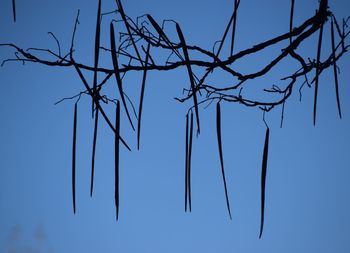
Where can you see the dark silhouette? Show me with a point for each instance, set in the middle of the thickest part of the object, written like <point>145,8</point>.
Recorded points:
<point>189,137</point>
<point>263,178</point>
<point>14,10</point>
<point>138,35</point>
<point>116,155</point>
<point>218,133</point>
<point>97,54</point>
<point>74,153</point>
<point>141,97</point>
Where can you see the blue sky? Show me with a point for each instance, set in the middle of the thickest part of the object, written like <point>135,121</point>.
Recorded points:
<point>307,192</point>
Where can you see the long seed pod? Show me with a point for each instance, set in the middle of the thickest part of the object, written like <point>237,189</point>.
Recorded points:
<point>163,35</point>
<point>291,19</point>
<point>74,154</point>
<point>96,59</point>
<point>117,74</point>
<point>116,156</point>
<point>190,73</point>
<point>14,10</point>
<point>141,97</point>
<point>94,151</point>
<point>97,43</point>
<point>158,29</point>
<point>186,165</point>
<point>97,50</point>
<point>189,164</point>
<point>317,70</point>
<point>218,134</point>
<point>263,180</point>
<point>122,13</point>
<point>97,103</point>
<point>236,4</point>
<point>335,69</point>
<point>231,21</point>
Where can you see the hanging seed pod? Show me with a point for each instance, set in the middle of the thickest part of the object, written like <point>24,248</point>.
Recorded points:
<point>141,97</point>
<point>186,164</point>
<point>94,151</point>
<point>190,73</point>
<point>317,70</point>
<point>74,154</point>
<point>117,74</point>
<point>189,163</point>
<point>335,68</point>
<point>218,134</point>
<point>14,10</point>
<point>122,13</point>
<point>234,22</point>
<point>116,156</point>
<point>291,19</point>
<point>263,179</point>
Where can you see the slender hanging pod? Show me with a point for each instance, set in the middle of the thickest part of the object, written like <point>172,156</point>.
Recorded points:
<point>141,97</point>
<point>158,29</point>
<point>186,165</point>
<point>116,157</point>
<point>263,179</point>
<point>234,22</point>
<point>335,69</point>
<point>74,154</point>
<point>97,52</point>
<point>14,10</point>
<point>319,47</point>
<point>190,73</point>
<point>163,36</point>
<point>218,134</point>
<point>291,19</point>
<point>122,13</point>
<point>117,74</point>
<point>189,163</point>
<point>94,151</point>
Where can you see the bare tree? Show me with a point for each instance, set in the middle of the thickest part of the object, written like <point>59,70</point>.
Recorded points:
<point>143,37</point>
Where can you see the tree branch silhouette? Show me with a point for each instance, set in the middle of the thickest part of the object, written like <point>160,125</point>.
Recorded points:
<point>130,55</point>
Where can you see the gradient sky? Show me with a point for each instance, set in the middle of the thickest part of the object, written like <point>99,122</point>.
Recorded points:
<point>307,192</point>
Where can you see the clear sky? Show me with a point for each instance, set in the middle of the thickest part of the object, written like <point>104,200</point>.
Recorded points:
<point>307,191</point>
